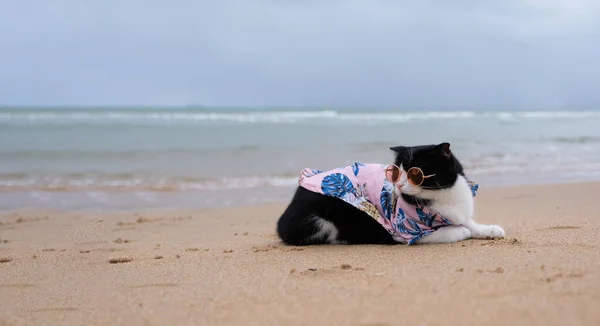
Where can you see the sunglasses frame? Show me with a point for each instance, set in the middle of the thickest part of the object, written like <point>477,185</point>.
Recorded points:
<point>408,173</point>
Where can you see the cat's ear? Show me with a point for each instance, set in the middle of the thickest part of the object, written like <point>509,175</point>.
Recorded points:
<point>444,149</point>
<point>398,149</point>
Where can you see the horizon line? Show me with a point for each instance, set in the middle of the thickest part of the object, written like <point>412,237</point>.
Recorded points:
<point>277,107</point>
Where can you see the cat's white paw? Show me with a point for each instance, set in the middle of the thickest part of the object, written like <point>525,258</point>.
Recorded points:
<point>488,232</point>
<point>447,234</point>
<point>463,234</point>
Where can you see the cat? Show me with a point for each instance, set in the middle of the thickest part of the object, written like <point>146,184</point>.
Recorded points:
<point>313,218</point>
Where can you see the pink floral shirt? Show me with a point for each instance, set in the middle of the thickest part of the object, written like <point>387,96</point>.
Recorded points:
<point>365,187</point>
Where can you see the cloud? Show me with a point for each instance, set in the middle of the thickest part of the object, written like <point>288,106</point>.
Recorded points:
<point>379,53</point>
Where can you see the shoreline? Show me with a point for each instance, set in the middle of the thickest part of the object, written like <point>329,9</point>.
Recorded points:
<point>224,193</point>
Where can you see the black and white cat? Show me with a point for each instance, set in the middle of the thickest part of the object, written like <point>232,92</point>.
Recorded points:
<point>313,218</point>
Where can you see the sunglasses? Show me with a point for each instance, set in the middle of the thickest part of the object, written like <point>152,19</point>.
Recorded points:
<point>414,175</point>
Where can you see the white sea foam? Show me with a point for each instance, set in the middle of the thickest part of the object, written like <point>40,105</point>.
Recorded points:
<point>132,182</point>
<point>506,166</point>
<point>97,117</point>
<point>154,118</point>
<point>547,115</point>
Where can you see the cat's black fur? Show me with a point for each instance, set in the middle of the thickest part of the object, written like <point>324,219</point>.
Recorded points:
<point>297,224</point>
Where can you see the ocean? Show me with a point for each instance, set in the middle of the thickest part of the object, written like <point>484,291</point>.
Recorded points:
<point>152,158</point>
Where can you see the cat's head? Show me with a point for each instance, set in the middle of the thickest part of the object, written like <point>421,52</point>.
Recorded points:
<point>436,161</point>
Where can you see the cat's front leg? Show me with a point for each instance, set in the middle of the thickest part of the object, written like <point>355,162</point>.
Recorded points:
<point>484,231</point>
<point>446,234</point>
<point>453,213</point>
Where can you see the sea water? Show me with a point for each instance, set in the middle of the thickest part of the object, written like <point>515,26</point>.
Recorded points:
<point>150,158</point>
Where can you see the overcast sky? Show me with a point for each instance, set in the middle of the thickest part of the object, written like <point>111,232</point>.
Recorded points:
<point>370,53</point>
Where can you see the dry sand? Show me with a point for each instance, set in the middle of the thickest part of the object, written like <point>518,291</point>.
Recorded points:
<point>227,267</point>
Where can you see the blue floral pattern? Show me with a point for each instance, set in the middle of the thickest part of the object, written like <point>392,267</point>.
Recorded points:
<point>337,185</point>
<point>400,218</point>
<point>474,188</point>
<point>356,167</point>
<point>387,203</point>
<point>401,214</point>
<point>445,221</point>
<point>413,229</point>
<point>426,218</point>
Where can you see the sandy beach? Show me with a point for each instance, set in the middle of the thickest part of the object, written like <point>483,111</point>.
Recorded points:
<point>227,267</point>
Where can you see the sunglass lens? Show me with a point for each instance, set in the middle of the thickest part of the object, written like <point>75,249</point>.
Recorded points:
<point>392,173</point>
<point>415,176</point>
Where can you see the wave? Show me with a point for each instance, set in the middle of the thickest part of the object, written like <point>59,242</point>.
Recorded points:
<point>160,118</point>
<point>548,115</point>
<point>491,165</point>
<point>136,182</point>
<point>145,117</point>
<point>19,154</point>
<point>252,117</point>
<point>576,140</point>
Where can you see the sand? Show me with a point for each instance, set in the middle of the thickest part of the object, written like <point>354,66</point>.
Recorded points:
<point>227,267</point>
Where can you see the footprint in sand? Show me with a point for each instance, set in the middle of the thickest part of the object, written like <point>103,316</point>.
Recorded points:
<point>31,219</point>
<point>555,277</point>
<point>120,260</point>
<point>142,219</point>
<point>63,309</point>
<point>509,241</point>
<point>561,227</point>
<point>313,270</point>
<point>276,248</point>
<point>157,285</point>
<point>497,270</point>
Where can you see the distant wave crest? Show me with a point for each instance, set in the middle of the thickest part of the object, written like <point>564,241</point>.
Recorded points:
<point>576,140</point>
<point>165,117</point>
<point>157,118</point>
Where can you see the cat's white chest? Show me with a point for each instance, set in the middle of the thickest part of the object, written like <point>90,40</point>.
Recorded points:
<point>456,203</point>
